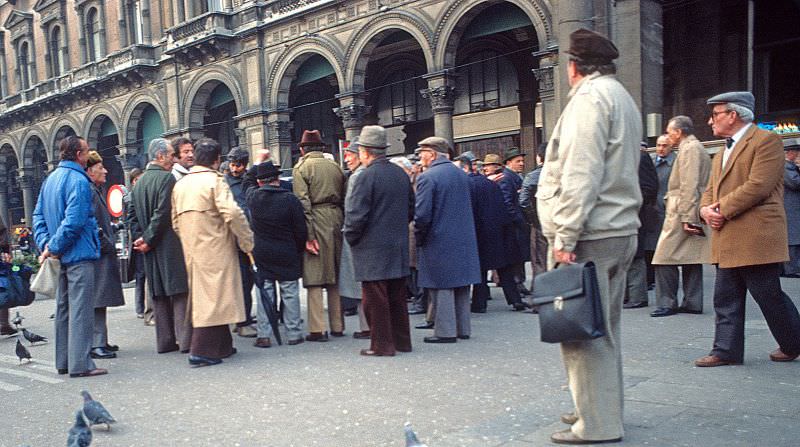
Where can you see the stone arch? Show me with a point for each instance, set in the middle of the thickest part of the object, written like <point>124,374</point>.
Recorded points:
<point>285,67</point>
<point>454,20</point>
<point>132,112</point>
<point>56,132</point>
<point>199,91</point>
<point>369,36</point>
<point>28,146</point>
<point>92,125</point>
<point>7,149</point>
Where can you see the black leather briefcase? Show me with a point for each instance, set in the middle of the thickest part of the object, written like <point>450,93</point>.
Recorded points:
<point>569,303</point>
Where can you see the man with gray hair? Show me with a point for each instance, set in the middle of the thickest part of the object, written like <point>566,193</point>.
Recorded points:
<point>150,220</point>
<point>743,205</point>
<point>683,241</point>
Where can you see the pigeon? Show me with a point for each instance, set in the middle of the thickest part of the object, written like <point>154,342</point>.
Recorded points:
<point>411,437</point>
<point>95,412</point>
<point>80,435</point>
<point>17,319</point>
<point>22,352</point>
<point>33,338</point>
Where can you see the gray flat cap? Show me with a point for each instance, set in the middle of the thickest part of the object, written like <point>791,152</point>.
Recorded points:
<point>467,156</point>
<point>791,144</point>
<point>744,99</point>
<point>436,143</point>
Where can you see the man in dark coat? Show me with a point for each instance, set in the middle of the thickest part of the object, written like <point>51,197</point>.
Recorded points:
<point>376,226</point>
<point>279,231</point>
<point>636,280</point>
<point>149,218</point>
<point>495,234</point>
<point>447,249</point>
<point>237,165</point>
<point>791,203</point>
<point>527,201</point>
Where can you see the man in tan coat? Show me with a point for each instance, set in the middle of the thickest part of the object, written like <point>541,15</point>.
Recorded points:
<point>319,184</point>
<point>683,242</point>
<point>211,225</point>
<point>743,204</point>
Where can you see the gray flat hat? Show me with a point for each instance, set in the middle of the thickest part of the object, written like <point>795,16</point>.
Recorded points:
<point>744,99</point>
<point>791,144</point>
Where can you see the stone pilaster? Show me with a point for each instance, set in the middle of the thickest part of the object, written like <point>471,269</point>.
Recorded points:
<point>279,126</point>
<point>351,111</point>
<point>26,183</point>
<point>547,78</point>
<point>442,93</point>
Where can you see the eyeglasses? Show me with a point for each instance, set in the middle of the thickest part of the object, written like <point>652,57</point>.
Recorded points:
<point>714,114</point>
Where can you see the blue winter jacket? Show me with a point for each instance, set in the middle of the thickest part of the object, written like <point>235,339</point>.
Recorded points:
<point>64,216</point>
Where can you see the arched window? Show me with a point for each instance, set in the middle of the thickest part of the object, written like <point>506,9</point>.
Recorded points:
<point>94,50</point>
<point>23,64</point>
<point>56,56</point>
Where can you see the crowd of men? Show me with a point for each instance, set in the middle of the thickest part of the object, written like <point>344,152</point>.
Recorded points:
<point>430,227</point>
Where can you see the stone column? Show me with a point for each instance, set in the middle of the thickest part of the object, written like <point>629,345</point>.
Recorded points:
<point>122,20</point>
<point>279,126</point>
<point>147,26</point>
<point>571,15</point>
<point>254,131</point>
<point>442,94</point>
<point>26,184</point>
<point>4,202</point>
<point>351,111</point>
<point>547,75</point>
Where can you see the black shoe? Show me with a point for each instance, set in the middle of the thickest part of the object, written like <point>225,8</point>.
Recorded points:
<point>683,310</point>
<point>102,353</point>
<point>651,286</point>
<point>62,371</point>
<point>416,311</point>
<point>478,311</point>
<point>520,307</point>
<point>198,361</point>
<point>436,339</point>
<point>7,330</point>
<point>425,325</point>
<point>634,305</point>
<point>663,312</point>
<point>112,348</point>
<point>350,312</point>
<point>463,337</point>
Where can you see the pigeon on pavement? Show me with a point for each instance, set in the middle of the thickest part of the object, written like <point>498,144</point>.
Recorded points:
<point>33,338</point>
<point>80,435</point>
<point>22,352</point>
<point>17,319</point>
<point>411,437</point>
<point>95,412</point>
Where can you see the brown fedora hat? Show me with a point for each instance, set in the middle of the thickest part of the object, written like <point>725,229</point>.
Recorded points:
<point>311,138</point>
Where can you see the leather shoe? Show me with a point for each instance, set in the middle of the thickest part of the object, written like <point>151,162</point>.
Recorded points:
<point>112,348</point>
<point>317,336</point>
<point>683,310</point>
<point>198,361</point>
<point>337,333</point>
<point>370,353</point>
<point>436,339</point>
<point>90,373</point>
<point>478,311</point>
<point>262,343</point>
<point>710,361</point>
<point>569,418</point>
<point>636,305</point>
<point>463,337</point>
<point>295,341</point>
<point>102,353</point>
<point>416,311</point>
<point>7,330</point>
<point>350,312</point>
<point>567,437</point>
<point>662,312</point>
<point>361,335</point>
<point>62,371</point>
<point>519,307</point>
<point>779,356</point>
<point>425,325</point>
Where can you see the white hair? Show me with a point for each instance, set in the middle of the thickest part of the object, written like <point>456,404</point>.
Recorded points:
<point>159,146</point>
<point>744,114</point>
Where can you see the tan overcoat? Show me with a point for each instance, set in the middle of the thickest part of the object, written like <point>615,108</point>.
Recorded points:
<point>210,225</point>
<point>687,182</point>
<point>750,193</point>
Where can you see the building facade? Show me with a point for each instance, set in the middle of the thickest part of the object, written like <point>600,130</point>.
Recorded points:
<point>255,74</point>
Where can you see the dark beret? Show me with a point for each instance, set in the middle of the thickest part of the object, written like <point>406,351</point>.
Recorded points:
<point>589,46</point>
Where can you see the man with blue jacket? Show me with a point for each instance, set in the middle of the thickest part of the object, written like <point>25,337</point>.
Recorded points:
<point>65,228</point>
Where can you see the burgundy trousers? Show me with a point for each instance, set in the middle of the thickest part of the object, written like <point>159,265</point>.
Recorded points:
<point>387,315</point>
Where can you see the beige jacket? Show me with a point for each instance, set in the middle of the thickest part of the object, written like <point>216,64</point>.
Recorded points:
<point>210,225</point>
<point>589,186</point>
<point>687,182</point>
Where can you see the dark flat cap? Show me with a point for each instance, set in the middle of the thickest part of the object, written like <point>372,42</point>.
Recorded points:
<point>744,99</point>
<point>791,144</point>
<point>589,46</point>
<point>512,152</point>
<point>467,156</point>
<point>239,155</point>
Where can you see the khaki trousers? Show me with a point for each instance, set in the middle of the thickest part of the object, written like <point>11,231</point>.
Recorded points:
<point>594,367</point>
<point>316,309</point>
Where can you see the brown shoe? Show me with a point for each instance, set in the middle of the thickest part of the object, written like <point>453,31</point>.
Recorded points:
<point>711,361</point>
<point>567,437</point>
<point>569,418</point>
<point>317,336</point>
<point>262,343</point>
<point>337,333</point>
<point>778,356</point>
<point>91,373</point>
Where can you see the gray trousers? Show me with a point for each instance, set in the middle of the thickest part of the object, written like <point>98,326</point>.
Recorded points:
<point>100,334</point>
<point>173,326</point>
<point>290,296</point>
<point>636,281</point>
<point>74,321</point>
<point>452,316</point>
<point>667,286</point>
<point>594,367</point>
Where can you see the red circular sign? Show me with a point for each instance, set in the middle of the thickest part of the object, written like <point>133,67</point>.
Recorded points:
<point>114,200</point>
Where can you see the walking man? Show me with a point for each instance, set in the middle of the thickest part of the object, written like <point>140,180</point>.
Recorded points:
<point>447,249</point>
<point>743,204</point>
<point>319,184</point>
<point>683,242</point>
<point>377,213</point>
<point>65,228</point>
<point>211,226</point>
<point>588,201</point>
<point>150,221</point>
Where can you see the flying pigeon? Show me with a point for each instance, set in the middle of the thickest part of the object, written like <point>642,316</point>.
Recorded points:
<point>17,319</point>
<point>95,412</point>
<point>411,437</point>
<point>33,338</point>
<point>80,435</point>
<point>22,352</point>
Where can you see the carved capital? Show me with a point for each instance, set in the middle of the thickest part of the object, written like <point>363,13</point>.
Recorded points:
<point>442,98</point>
<point>545,76</point>
<point>352,115</point>
<point>280,132</point>
<point>26,180</point>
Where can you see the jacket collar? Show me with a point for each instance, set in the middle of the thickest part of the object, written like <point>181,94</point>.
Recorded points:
<point>582,82</point>
<point>198,169</point>
<point>440,160</point>
<point>69,164</point>
<point>179,167</point>
<point>155,167</point>
<point>739,146</point>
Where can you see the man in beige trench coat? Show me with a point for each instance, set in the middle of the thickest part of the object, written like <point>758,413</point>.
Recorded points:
<point>684,241</point>
<point>211,225</point>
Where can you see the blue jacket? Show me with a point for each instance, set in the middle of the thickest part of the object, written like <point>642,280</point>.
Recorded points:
<point>64,216</point>
<point>444,227</point>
